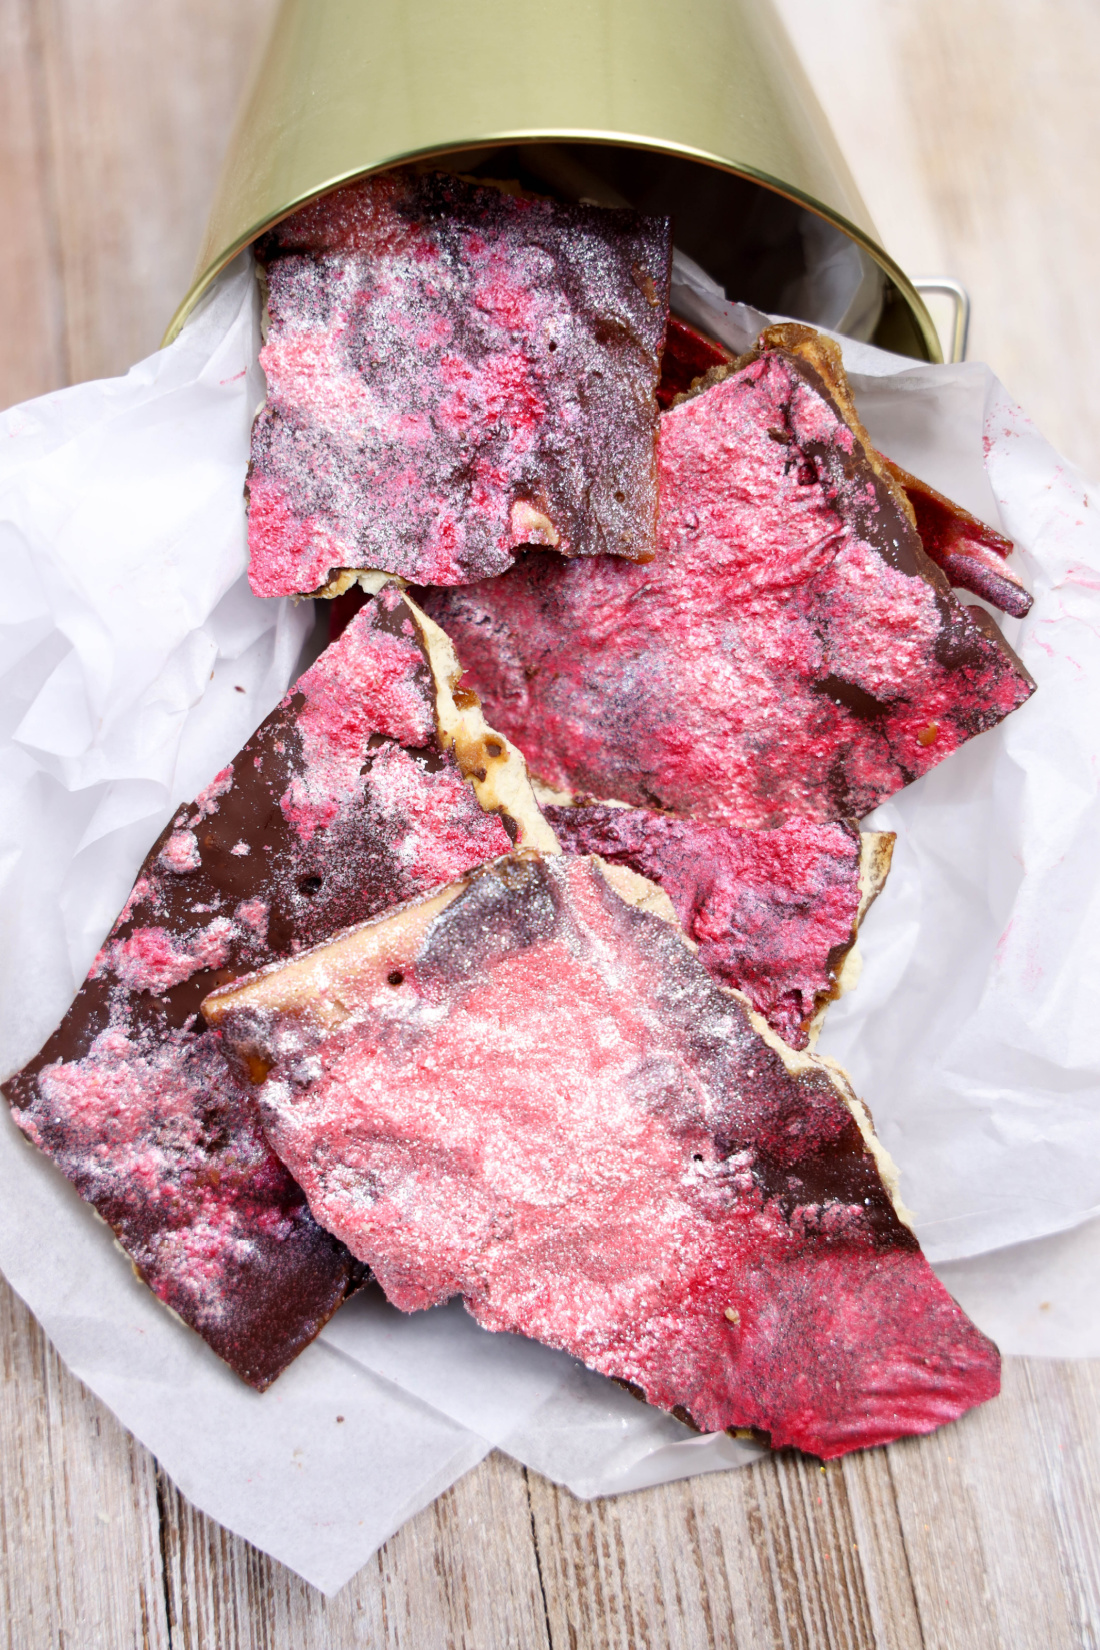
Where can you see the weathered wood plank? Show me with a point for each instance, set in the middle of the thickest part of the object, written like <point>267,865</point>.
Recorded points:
<point>463,1573</point>
<point>986,1534</point>
<point>973,131</point>
<point>999,1516</point>
<point>1008,134</point>
<point>884,1562</point>
<point>80,1563</point>
<point>1063,1400</point>
<point>1007,126</point>
<point>786,1553</point>
<point>137,101</point>
<point>32,356</point>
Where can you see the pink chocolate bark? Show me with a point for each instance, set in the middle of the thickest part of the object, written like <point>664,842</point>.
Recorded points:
<point>341,805</point>
<point>540,1101</point>
<point>791,651</point>
<point>772,912</point>
<point>454,372</point>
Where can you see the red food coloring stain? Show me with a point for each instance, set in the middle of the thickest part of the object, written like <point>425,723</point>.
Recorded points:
<point>689,354</point>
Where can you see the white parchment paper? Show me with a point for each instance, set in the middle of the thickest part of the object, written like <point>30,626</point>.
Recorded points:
<point>134,661</point>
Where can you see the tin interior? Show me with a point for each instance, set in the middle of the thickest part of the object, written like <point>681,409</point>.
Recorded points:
<point>762,247</point>
<point>759,245</point>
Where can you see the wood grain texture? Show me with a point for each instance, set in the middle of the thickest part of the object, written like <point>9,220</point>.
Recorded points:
<point>984,1536</point>
<point>32,333</point>
<point>462,1573</point>
<point>115,117</point>
<point>1004,106</point>
<point>80,1560</point>
<point>1000,1525</point>
<point>769,1555</point>
<point>113,114</point>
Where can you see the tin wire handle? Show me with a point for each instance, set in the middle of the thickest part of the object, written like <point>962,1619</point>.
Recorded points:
<point>957,292</point>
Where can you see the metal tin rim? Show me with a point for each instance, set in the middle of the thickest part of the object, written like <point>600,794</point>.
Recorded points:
<point>918,311</point>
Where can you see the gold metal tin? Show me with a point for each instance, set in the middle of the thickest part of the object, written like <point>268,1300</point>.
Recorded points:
<point>347,87</point>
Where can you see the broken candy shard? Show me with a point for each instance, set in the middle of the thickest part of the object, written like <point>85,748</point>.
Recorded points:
<point>530,1094</point>
<point>773,913</point>
<point>971,553</point>
<point>791,651</point>
<point>349,798</point>
<point>454,372</point>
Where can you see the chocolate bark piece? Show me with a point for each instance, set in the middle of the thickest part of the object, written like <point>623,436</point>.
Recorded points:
<point>349,798</point>
<point>774,914</point>
<point>970,552</point>
<point>791,651</point>
<point>454,372</point>
<point>528,1093</point>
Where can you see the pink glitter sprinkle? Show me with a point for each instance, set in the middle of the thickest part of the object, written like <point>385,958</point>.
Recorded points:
<point>206,802</point>
<point>134,1098</point>
<point>137,1138</point>
<point>253,913</point>
<point>432,831</point>
<point>141,891</point>
<point>154,960</point>
<point>181,852</point>
<point>773,912</point>
<point>368,683</point>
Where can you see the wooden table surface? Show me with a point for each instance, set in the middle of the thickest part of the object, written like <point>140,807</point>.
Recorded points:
<point>974,129</point>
